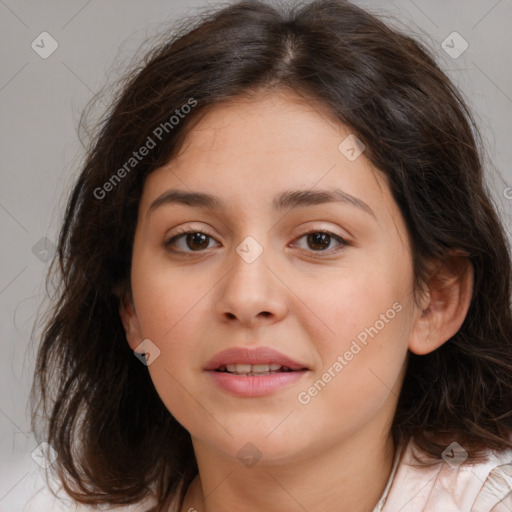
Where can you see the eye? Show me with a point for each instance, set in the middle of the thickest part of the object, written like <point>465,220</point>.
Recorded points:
<point>322,239</point>
<point>194,239</point>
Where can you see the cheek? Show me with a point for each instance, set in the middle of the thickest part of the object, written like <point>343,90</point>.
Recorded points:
<point>355,302</point>
<point>168,299</point>
<point>366,341</point>
<point>169,303</point>
<point>362,360</point>
<point>168,307</point>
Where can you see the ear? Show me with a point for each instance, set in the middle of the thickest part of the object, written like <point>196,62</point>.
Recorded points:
<point>130,321</point>
<point>445,306</point>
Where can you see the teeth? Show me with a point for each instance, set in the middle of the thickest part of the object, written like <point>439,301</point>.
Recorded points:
<point>260,369</point>
<point>238,368</point>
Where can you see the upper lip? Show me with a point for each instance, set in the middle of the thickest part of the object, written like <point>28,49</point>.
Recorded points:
<point>260,355</point>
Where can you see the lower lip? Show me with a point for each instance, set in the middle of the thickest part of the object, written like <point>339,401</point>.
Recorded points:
<point>252,386</point>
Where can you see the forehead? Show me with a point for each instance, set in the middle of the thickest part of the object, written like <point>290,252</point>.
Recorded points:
<point>248,150</point>
<point>281,126</point>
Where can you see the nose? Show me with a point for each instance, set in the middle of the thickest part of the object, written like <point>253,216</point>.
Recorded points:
<point>251,292</point>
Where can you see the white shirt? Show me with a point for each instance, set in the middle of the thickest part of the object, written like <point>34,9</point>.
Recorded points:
<point>448,487</point>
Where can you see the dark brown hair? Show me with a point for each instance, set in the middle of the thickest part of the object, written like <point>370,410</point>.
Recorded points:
<point>114,436</point>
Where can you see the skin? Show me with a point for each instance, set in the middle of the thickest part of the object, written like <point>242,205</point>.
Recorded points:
<point>335,452</point>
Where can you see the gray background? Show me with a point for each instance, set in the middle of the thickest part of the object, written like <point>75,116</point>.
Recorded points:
<point>41,101</point>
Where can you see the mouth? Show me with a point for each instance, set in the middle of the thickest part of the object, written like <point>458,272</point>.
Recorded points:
<point>255,370</point>
<point>245,380</point>
<point>258,362</point>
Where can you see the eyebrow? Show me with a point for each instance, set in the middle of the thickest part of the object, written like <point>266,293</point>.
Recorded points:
<point>287,200</point>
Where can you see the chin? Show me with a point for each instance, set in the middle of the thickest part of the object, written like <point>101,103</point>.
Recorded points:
<point>253,447</point>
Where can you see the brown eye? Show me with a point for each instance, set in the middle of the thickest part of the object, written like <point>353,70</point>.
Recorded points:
<point>195,240</point>
<point>319,241</point>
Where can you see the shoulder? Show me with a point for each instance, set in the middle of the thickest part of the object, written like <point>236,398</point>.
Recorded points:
<point>452,485</point>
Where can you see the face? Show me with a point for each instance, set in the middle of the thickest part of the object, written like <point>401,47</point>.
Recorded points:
<point>327,284</point>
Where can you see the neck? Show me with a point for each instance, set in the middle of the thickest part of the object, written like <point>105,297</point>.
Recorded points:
<point>346,478</point>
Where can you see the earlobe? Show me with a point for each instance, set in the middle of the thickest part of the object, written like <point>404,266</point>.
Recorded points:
<point>130,321</point>
<point>444,312</point>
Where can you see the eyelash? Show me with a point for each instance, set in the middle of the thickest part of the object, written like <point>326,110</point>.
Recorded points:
<point>342,242</point>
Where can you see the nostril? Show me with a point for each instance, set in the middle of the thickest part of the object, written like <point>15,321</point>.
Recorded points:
<point>264,313</point>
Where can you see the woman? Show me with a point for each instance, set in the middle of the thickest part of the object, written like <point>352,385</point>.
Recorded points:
<point>284,285</point>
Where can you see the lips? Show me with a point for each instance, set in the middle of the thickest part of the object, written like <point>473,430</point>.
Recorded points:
<point>253,369</point>
<point>259,356</point>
